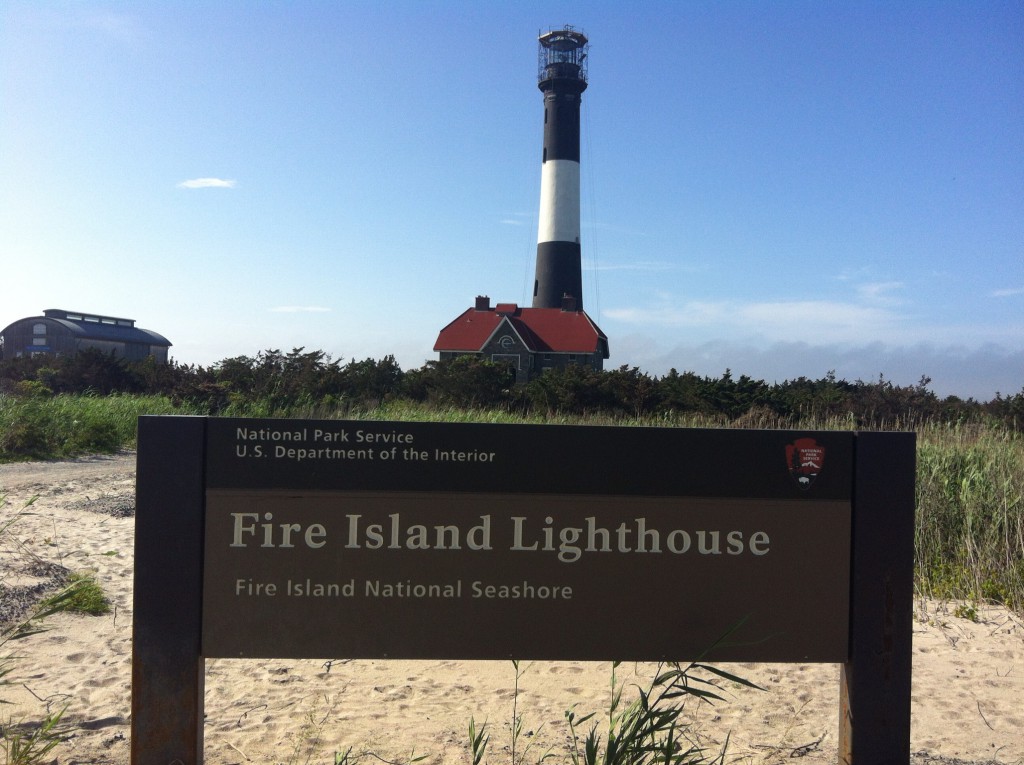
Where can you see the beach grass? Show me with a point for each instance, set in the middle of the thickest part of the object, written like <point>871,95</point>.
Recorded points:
<point>969,537</point>
<point>68,425</point>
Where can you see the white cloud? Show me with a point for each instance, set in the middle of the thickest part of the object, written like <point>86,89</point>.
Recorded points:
<point>1013,292</point>
<point>207,183</point>
<point>300,309</point>
<point>807,320</point>
<point>518,219</point>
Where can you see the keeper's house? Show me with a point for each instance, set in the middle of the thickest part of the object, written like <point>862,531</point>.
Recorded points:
<point>532,340</point>
<point>64,333</point>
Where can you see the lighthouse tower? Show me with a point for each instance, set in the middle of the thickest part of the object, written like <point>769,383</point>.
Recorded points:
<point>555,332</point>
<point>562,78</point>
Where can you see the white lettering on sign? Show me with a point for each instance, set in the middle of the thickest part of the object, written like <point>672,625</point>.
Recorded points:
<point>274,534</point>
<point>568,543</point>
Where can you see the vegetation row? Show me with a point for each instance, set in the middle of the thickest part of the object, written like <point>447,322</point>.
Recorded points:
<point>273,383</point>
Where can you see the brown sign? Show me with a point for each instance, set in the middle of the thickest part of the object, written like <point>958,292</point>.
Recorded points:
<point>375,540</point>
<point>278,538</point>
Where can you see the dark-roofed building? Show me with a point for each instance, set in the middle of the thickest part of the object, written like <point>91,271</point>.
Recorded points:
<point>64,333</point>
<point>530,339</point>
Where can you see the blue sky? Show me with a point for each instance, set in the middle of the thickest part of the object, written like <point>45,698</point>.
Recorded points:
<point>778,188</point>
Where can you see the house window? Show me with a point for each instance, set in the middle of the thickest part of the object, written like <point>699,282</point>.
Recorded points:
<point>38,341</point>
<point>38,329</point>
<point>572,358</point>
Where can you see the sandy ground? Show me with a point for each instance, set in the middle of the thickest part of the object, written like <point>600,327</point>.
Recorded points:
<point>968,690</point>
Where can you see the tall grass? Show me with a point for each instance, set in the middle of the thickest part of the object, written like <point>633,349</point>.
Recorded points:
<point>49,427</point>
<point>969,539</point>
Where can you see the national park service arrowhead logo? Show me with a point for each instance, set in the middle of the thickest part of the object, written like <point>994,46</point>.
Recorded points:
<point>805,458</point>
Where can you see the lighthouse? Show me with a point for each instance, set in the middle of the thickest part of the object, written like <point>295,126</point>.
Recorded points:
<point>555,332</point>
<point>562,78</point>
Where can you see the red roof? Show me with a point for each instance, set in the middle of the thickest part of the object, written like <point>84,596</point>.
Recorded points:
<point>542,329</point>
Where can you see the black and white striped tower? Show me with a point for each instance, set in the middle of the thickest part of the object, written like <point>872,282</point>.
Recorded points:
<point>562,79</point>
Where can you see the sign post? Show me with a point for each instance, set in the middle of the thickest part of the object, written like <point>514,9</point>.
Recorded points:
<point>305,539</point>
<point>874,701</point>
<point>167,666</point>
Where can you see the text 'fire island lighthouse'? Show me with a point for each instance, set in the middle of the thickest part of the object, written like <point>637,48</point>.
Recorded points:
<point>555,331</point>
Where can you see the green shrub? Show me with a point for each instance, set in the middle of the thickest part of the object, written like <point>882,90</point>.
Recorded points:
<point>32,389</point>
<point>82,595</point>
<point>95,436</point>
<point>26,439</point>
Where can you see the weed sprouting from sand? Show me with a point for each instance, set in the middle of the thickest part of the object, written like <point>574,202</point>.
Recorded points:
<point>25,742</point>
<point>479,738</point>
<point>519,753</point>
<point>83,595</point>
<point>349,757</point>
<point>650,729</point>
<point>307,743</point>
<point>28,745</point>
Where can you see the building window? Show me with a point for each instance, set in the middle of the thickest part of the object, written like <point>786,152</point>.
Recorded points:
<point>38,341</point>
<point>38,329</point>
<point>572,358</point>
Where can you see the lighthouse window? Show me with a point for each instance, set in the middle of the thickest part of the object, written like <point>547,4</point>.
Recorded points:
<point>545,116</point>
